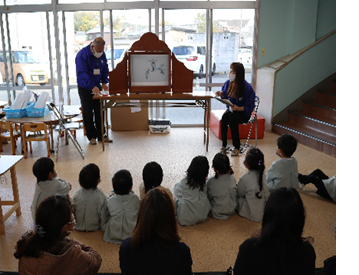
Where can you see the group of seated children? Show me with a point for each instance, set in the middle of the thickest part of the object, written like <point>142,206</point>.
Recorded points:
<point>195,197</point>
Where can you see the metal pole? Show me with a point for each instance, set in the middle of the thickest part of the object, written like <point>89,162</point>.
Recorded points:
<point>112,42</point>
<point>66,59</point>
<point>58,56</point>
<point>5,61</point>
<point>10,53</point>
<point>50,55</point>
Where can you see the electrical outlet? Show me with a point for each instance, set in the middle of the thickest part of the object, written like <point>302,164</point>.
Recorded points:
<point>263,51</point>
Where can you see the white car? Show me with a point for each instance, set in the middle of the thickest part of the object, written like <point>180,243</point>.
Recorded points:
<point>194,58</point>
<point>118,54</point>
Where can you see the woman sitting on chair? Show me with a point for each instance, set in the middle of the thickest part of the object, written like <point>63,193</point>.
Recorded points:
<point>241,94</point>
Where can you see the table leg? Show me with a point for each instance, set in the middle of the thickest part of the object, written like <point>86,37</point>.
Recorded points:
<point>204,122</point>
<point>208,109</point>
<point>2,227</point>
<point>15,189</point>
<point>103,142</point>
<point>52,137</point>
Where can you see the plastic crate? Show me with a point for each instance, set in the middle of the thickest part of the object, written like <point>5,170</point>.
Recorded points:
<point>37,112</point>
<point>14,113</point>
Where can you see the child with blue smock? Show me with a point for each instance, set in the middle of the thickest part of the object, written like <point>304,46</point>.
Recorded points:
<point>88,200</point>
<point>222,188</point>
<point>252,189</point>
<point>284,171</point>
<point>192,204</point>
<point>119,213</point>
<point>47,183</point>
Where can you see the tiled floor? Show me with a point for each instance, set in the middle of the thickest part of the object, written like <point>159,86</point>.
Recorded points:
<point>214,244</point>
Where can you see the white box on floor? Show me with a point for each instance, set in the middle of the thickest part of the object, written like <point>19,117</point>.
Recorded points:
<point>159,129</point>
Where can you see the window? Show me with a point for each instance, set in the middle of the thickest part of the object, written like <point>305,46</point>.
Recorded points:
<point>186,32</point>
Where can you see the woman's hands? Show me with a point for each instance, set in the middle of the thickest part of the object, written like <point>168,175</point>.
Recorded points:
<point>219,93</point>
<point>237,108</point>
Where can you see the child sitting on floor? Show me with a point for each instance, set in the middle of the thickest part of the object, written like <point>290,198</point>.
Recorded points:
<point>47,183</point>
<point>326,187</point>
<point>88,200</point>
<point>192,204</point>
<point>152,175</point>
<point>284,171</point>
<point>252,189</point>
<point>222,189</point>
<point>120,210</point>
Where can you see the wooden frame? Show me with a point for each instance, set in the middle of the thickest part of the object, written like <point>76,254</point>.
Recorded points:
<point>149,71</point>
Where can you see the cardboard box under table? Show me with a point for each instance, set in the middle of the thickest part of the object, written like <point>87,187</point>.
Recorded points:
<point>215,126</point>
<point>125,119</point>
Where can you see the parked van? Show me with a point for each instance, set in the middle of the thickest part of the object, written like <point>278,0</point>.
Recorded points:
<point>194,58</point>
<point>118,55</point>
<point>27,67</point>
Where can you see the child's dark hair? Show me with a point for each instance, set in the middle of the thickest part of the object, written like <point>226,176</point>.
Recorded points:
<point>122,182</point>
<point>42,168</point>
<point>197,172</point>
<point>89,176</point>
<point>152,175</point>
<point>221,163</point>
<point>255,161</point>
<point>51,216</point>
<point>288,144</point>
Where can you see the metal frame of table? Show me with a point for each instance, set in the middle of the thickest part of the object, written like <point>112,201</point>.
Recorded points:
<point>200,99</point>
<point>8,163</point>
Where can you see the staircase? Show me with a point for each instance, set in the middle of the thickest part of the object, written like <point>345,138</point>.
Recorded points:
<point>314,125</point>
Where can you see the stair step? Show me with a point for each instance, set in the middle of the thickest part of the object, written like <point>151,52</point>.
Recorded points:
<point>326,99</point>
<point>316,116</point>
<point>312,122</point>
<point>316,109</point>
<point>316,140</point>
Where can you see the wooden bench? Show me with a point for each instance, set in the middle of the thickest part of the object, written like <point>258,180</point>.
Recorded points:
<point>215,126</point>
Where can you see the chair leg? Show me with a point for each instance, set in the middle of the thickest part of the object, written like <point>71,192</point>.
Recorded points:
<point>48,147</point>
<point>13,143</point>
<point>25,147</point>
<point>30,147</point>
<point>1,145</point>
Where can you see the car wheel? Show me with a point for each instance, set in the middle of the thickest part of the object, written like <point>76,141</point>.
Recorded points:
<point>20,80</point>
<point>214,69</point>
<point>42,84</point>
<point>200,72</point>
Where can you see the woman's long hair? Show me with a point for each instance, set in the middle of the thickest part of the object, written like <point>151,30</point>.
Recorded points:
<point>283,219</point>
<point>197,172</point>
<point>51,216</point>
<point>236,88</point>
<point>156,222</point>
<point>282,226</point>
<point>255,161</point>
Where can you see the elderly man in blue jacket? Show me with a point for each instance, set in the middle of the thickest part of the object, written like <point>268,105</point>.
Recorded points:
<point>92,77</point>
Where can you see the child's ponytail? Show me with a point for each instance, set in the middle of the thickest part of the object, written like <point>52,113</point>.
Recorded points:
<point>221,165</point>
<point>255,161</point>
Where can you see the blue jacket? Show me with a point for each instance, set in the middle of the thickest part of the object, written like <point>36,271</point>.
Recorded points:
<point>86,62</point>
<point>247,101</point>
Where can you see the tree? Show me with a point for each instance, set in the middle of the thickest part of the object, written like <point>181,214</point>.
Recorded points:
<point>200,20</point>
<point>87,20</point>
<point>117,24</point>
